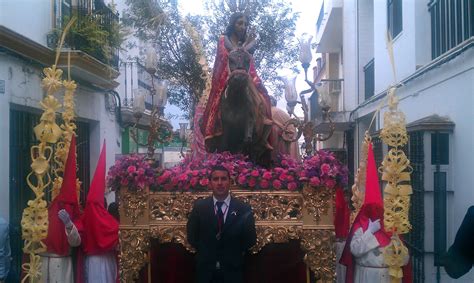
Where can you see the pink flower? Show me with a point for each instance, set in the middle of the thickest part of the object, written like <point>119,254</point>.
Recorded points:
<point>241,180</point>
<point>194,181</point>
<point>276,184</point>
<point>330,183</point>
<point>254,173</point>
<point>292,186</point>
<point>252,182</point>
<point>325,168</point>
<point>195,172</point>
<point>267,175</point>
<point>131,169</point>
<point>290,178</point>
<point>141,171</point>
<point>183,178</point>
<point>264,184</point>
<point>314,181</point>
<point>124,182</point>
<point>283,177</point>
<point>204,182</point>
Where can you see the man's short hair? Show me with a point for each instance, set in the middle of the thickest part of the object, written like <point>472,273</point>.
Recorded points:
<point>218,168</point>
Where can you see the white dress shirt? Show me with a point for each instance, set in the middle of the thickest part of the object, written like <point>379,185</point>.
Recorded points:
<point>224,207</point>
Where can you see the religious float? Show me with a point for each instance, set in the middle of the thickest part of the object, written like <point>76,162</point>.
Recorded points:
<point>291,201</point>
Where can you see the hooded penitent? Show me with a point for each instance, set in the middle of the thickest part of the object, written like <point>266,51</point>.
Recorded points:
<point>56,241</point>
<point>100,228</point>
<point>371,209</point>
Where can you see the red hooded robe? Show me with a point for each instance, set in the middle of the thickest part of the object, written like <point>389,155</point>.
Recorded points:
<point>100,228</point>
<point>56,241</point>
<point>371,209</point>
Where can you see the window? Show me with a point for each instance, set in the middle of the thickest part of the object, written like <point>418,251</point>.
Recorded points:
<point>394,17</point>
<point>452,22</point>
<point>369,79</point>
<point>440,148</point>
<point>440,212</point>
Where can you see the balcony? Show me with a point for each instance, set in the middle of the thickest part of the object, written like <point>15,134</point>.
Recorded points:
<point>96,32</point>
<point>329,27</point>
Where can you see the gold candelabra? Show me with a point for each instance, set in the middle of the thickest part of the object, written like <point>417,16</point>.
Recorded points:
<point>305,126</point>
<point>159,130</point>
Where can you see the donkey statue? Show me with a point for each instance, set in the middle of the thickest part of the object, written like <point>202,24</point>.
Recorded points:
<point>246,126</point>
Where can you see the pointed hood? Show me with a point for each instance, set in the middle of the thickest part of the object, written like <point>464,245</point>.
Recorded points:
<point>342,215</point>
<point>371,209</point>
<point>372,185</point>
<point>56,241</point>
<point>100,228</point>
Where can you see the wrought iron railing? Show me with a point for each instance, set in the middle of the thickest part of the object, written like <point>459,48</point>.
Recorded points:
<point>452,22</point>
<point>416,238</point>
<point>97,18</point>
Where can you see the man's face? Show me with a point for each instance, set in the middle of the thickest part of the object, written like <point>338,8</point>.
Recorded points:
<point>220,183</point>
<point>240,26</point>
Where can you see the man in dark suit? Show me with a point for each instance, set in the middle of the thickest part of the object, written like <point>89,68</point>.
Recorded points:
<point>460,256</point>
<point>221,229</point>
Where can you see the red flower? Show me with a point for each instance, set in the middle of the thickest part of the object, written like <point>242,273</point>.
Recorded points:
<point>330,183</point>
<point>264,184</point>
<point>194,181</point>
<point>267,175</point>
<point>254,173</point>
<point>292,186</point>
<point>252,182</point>
<point>242,180</point>
<point>314,181</point>
<point>325,168</point>
<point>131,169</point>
<point>204,182</point>
<point>276,184</point>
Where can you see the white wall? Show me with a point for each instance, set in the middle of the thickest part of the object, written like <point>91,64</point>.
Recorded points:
<point>366,41</point>
<point>422,33</point>
<point>447,91</point>
<point>403,45</point>
<point>349,39</point>
<point>23,88</point>
<point>30,18</point>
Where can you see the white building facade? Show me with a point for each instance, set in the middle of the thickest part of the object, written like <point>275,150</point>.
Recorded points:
<point>25,29</point>
<point>434,66</point>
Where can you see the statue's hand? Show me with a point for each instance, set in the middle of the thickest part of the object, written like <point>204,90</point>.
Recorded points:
<point>251,35</point>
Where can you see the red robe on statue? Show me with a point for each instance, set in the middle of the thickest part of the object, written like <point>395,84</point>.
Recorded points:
<point>211,124</point>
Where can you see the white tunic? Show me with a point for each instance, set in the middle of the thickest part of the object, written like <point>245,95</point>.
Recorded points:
<point>340,268</point>
<point>101,268</point>
<point>56,268</point>
<point>370,265</point>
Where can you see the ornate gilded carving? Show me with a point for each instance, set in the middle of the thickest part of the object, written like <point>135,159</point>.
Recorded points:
<point>267,234</point>
<point>171,207</point>
<point>320,256</point>
<point>134,204</point>
<point>134,246</point>
<point>317,201</point>
<point>279,219</point>
<point>171,234</point>
<point>268,206</point>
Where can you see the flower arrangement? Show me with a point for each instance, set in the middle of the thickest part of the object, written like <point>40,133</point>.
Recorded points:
<point>323,169</point>
<point>320,170</point>
<point>283,175</point>
<point>130,171</point>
